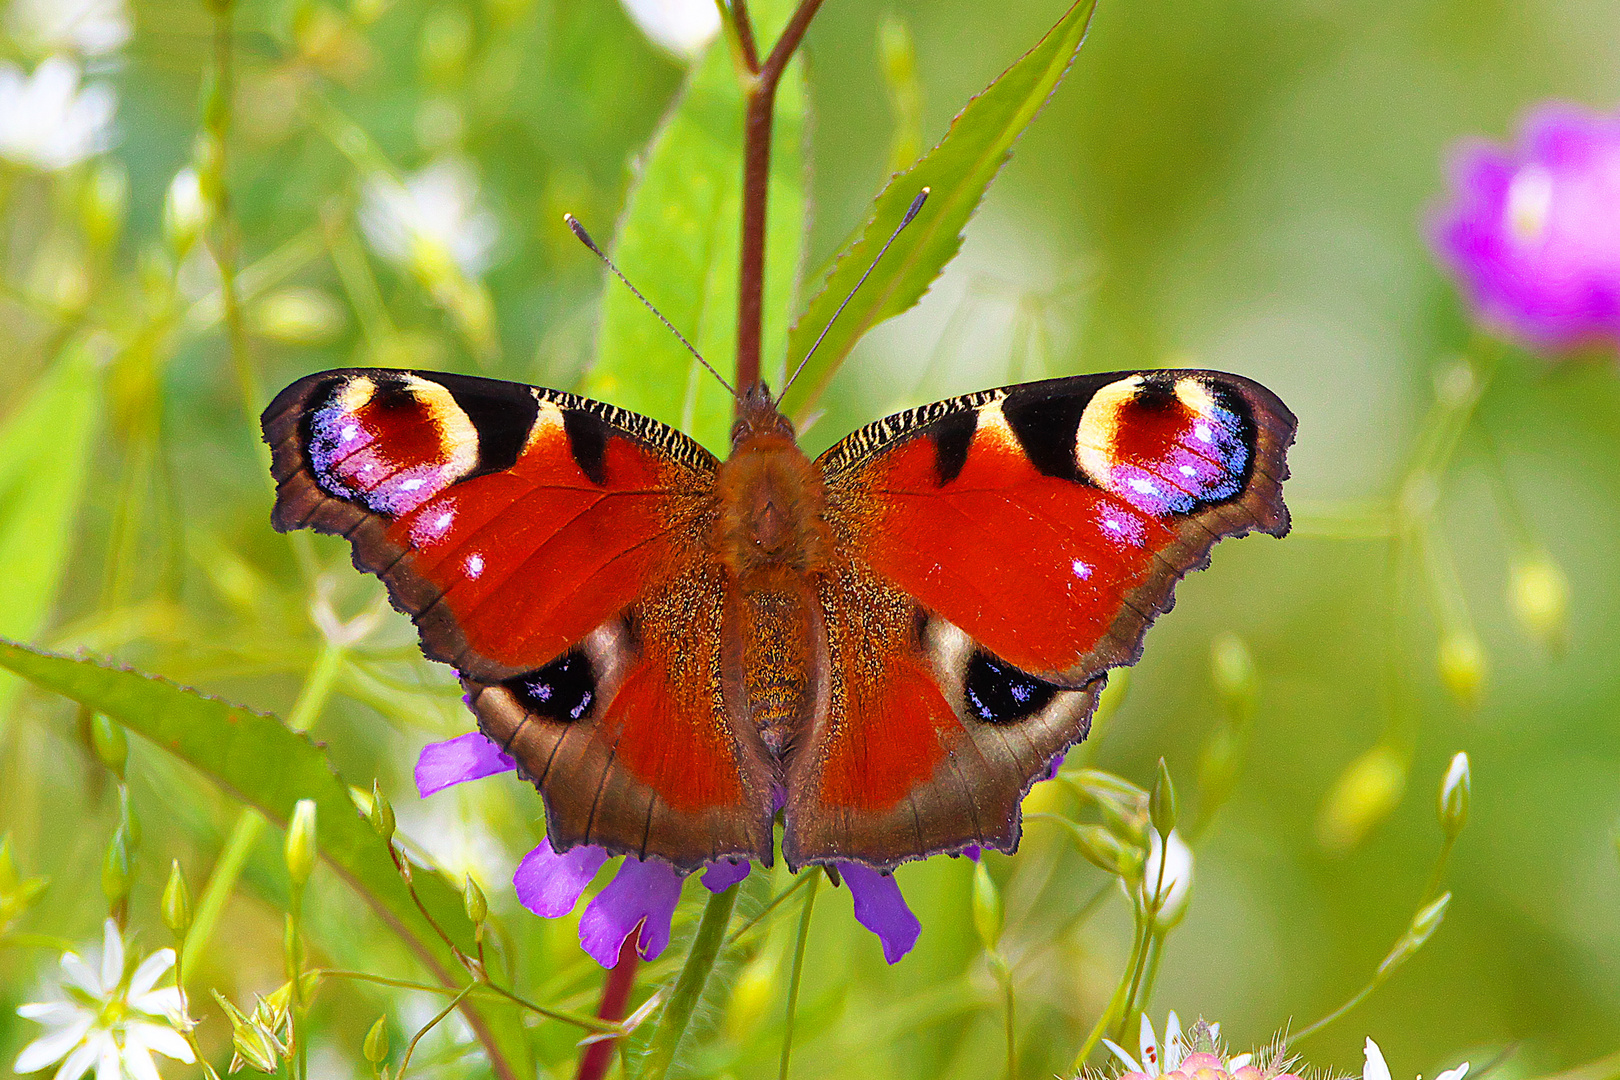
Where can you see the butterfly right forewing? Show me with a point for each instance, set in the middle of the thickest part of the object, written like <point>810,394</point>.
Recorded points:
<point>999,552</point>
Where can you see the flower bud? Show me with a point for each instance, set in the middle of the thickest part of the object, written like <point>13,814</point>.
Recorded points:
<point>177,902</point>
<point>110,743</point>
<point>8,868</point>
<point>1368,789</point>
<point>116,869</point>
<point>1162,802</point>
<point>298,316</point>
<point>186,213</point>
<point>1454,791</point>
<point>447,40</point>
<point>255,1047</point>
<point>103,202</point>
<point>1424,924</point>
<point>1538,594</point>
<point>1105,850</point>
<point>382,813</point>
<point>1218,766</point>
<point>1167,877</point>
<point>1236,680</point>
<point>1463,666</point>
<point>300,850</point>
<point>987,913</point>
<point>472,899</point>
<point>129,822</point>
<point>376,1045</point>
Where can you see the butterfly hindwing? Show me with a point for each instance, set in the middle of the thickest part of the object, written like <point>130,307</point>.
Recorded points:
<point>1000,552</point>
<point>538,540</point>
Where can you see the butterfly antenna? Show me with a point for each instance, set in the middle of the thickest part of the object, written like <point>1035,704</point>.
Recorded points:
<point>911,213</point>
<point>585,238</point>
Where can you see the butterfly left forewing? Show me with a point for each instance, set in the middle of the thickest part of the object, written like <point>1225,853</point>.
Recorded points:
<point>550,548</point>
<point>1000,552</point>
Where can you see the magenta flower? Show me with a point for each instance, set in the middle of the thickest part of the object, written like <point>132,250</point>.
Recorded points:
<point>1533,231</point>
<point>642,893</point>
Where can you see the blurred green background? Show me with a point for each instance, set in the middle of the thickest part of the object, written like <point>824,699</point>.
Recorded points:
<point>1238,185</point>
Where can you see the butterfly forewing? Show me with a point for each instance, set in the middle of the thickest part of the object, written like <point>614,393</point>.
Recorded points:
<point>998,553</point>
<point>538,540</point>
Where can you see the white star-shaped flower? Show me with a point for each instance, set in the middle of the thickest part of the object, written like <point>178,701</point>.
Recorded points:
<point>107,1017</point>
<point>47,120</point>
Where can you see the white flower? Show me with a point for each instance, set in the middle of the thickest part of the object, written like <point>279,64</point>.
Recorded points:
<point>1377,1069</point>
<point>1173,888</point>
<point>109,1018</point>
<point>683,27</point>
<point>47,121</point>
<point>1159,1059</point>
<point>434,215</point>
<point>88,27</point>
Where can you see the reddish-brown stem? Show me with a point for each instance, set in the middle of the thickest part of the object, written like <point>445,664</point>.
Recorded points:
<point>756,183</point>
<point>745,35</point>
<point>595,1059</point>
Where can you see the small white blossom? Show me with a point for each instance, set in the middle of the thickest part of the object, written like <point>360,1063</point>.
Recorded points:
<point>87,27</point>
<point>435,214</point>
<point>47,120</point>
<point>683,27</point>
<point>1174,888</point>
<point>108,1018</point>
<point>1377,1069</point>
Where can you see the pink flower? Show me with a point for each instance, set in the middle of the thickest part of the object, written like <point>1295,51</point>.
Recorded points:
<point>1532,231</point>
<point>642,893</point>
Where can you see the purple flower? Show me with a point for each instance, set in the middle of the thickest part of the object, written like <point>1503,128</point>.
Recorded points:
<point>881,909</point>
<point>642,894</point>
<point>1533,231</point>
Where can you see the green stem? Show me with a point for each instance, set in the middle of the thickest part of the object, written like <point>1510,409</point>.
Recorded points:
<point>430,1025</point>
<point>1117,1002</point>
<point>1007,992</point>
<point>700,960</point>
<point>774,903</point>
<point>814,877</point>
<point>244,834</point>
<point>589,1023</point>
<point>317,688</point>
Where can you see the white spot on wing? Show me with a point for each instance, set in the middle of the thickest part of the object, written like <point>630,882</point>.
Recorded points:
<point>1081,570</point>
<point>475,566</point>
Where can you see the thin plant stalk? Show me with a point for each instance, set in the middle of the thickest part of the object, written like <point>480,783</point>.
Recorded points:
<point>798,970</point>
<point>1116,1004</point>
<point>677,1014</point>
<point>762,82</point>
<point>770,906</point>
<point>217,121</point>
<point>595,1058</point>
<point>430,1025</point>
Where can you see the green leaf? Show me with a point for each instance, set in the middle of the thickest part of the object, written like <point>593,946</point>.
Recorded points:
<point>958,172</point>
<point>44,456</point>
<point>678,241</point>
<point>267,765</point>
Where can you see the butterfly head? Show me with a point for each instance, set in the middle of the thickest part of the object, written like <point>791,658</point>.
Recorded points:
<point>757,416</point>
<point>771,495</point>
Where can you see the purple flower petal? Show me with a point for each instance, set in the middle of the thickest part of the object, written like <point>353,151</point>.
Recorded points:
<point>640,893</point>
<point>466,757</point>
<point>881,909</point>
<point>973,851</point>
<point>724,873</point>
<point>549,884</point>
<point>1532,231</point>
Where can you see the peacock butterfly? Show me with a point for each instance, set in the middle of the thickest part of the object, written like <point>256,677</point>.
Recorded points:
<point>888,645</point>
